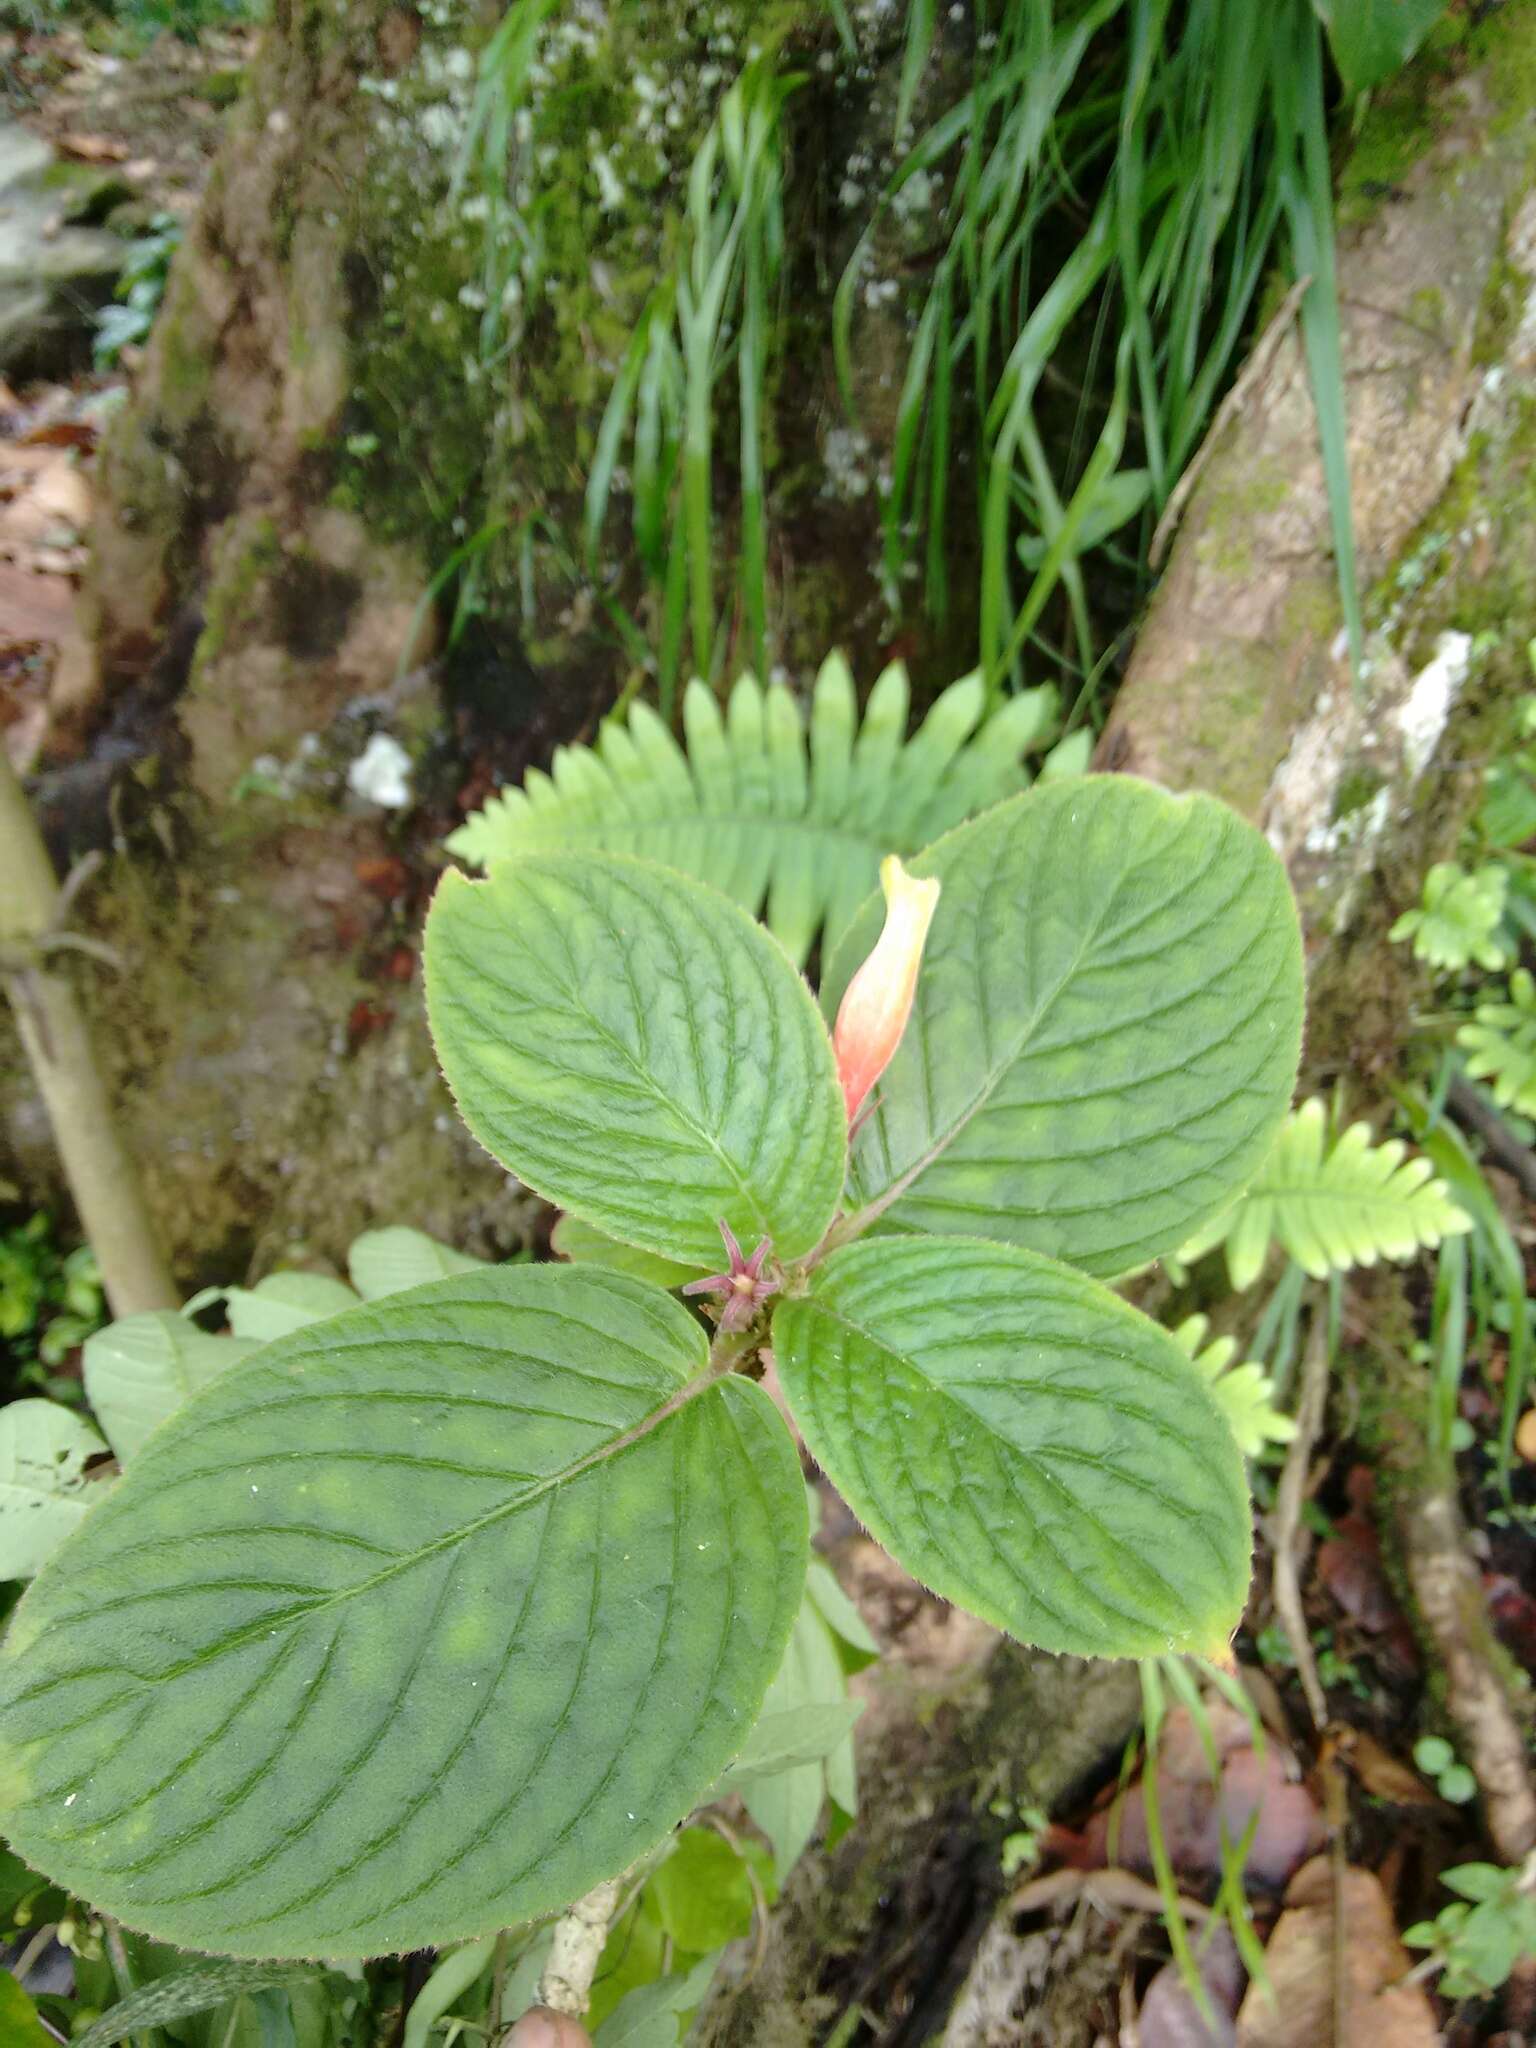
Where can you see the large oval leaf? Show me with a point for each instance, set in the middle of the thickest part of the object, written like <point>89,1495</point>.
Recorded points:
<point>1373,38</point>
<point>1024,1442</point>
<point>424,1621</point>
<point>139,1370</point>
<point>44,1447</point>
<point>636,1049</point>
<point>1107,1025</point>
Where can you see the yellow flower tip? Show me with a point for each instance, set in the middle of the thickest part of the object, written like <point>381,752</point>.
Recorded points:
<point>874,1011</point>
<point>1221,1655</point>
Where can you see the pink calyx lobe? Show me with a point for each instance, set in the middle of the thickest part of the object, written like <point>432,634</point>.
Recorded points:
<point>878,1001</point>
<point>744,1284</point>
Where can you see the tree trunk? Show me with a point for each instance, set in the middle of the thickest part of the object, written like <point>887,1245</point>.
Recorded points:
<point>315,431</point>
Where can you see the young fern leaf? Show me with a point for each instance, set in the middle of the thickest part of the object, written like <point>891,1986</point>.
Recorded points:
<point>1331,1206</point>
<point>771,808</point>
<point>1502,1045</point>
<point>1457,923</point>
<point>1245,1394</point>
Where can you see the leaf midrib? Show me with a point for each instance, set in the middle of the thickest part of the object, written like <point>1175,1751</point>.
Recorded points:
<point>946,1390</point>
<point>1029,1029</point>
<point>649,1087</point>
<point>451,1538</point>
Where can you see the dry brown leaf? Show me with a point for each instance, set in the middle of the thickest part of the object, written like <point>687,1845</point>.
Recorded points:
<point>1379,2010</point>
<point>19,465</point>
<point>51,510</point>
<point>1379,1772</point>
<point>1113,1890</point>
<point>1197,1814</point>
<point>93,149</point>
<point>34,609</point>
<point>1170,2017</point>
<point>61,434</point>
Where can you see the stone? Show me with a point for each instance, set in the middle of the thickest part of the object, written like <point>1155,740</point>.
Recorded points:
<point>56,270</point>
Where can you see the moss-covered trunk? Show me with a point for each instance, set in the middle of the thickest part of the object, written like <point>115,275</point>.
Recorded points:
<point>362,368</point>
<point>357,370</point>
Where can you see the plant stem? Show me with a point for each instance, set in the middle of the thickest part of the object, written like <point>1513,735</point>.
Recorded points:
<point>498,1985</point>
<point>1290,1498</point>
<point>123,1978</point>
<point>106,1190</point>
<point>580,1933</point>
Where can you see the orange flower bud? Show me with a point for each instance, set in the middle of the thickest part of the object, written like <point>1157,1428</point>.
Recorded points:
<point>874,1011</point>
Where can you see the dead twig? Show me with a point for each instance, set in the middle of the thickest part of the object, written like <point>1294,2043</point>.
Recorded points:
<point>1449,1597</point>
<point>1290,1498</point>
<point>580,1933</point>
<point>1475,1113</point>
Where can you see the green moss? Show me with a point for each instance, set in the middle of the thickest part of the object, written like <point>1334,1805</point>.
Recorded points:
<point>221,88</point>
<point>248,556</point>
<point>1355,792</point>
<point>1499,315</point>
<point>1504,46</point>
<point>1233,504</point>
<point>1401,125</point>
<point>519,435</point>
<point>1404,118</point>
<point>186,346</point>
<point>85,193</point>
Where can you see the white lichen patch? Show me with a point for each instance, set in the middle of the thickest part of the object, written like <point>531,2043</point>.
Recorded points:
<point>610,186</point>
<point>845,453</point>
<point>1423,715</point>
<point>381,774</point>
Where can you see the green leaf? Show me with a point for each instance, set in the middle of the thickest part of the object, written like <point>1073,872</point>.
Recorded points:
<point>775,809</point>
<point>1023,1442</point>
<point>285,1302</point>
<point>635,1048</point>
<point>20,2026</point>
<point>651,2015</point>
<point>1506,817</point>
<point>1245,1394</point>
<point>1457,923</point>
<point>702,1893</point>
<point>781,1741</point>
<point>140,1370</point>
<point>583,1244</point>
<point>1458,1785</point>
<point>193,1990</point>
<point>452,1977</point>
<point>808,1696</point>
<point>388,1261</point>
<point>43,1451</point>
<point>1502,1045</point>
<point>1432,1754</point>
<point>426,1620</point>
<point>1476,1881</point>
<point>1106,1029</point>
<point>839,1612</point>
<point>1331,1206</point>
<point>1116,502</point>
<point>1371,39</point>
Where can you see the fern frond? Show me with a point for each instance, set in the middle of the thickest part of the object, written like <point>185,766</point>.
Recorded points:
<point>1457,923</point>
<point>1502,1045</point>
<point>1331,1206</point>
<point>769,806</point>
<point>1245,1393</point>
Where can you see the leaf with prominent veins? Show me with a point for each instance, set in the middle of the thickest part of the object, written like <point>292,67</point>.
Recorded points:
<point>1106,1030</point>
<point>1023,1441</point>
<point>636,1049</point>
<point>426,1620</point>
